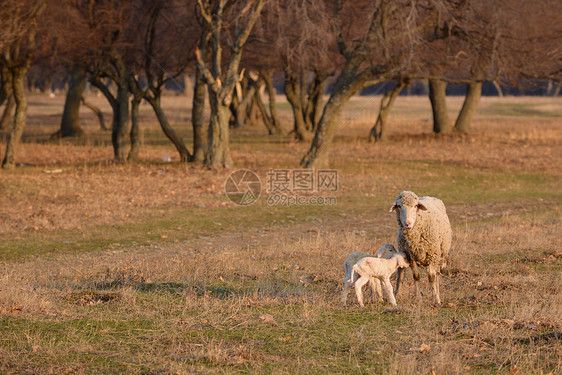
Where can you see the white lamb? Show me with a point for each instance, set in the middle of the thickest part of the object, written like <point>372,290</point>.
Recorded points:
<point>385,251</point>
<point>378,268</point>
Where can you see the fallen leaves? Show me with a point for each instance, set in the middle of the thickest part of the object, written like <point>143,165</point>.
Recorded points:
<point>424,348</point>
<point>268,318</point>
<point>91,297</point>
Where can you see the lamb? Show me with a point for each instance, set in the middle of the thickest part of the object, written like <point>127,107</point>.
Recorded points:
<point>385,251</point>
<point>379,268</point>
<point>425,235</point>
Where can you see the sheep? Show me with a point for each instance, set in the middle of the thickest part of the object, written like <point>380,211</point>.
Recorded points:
<point>379,268</point>
<point>385,251</point>
<point>425,235</point>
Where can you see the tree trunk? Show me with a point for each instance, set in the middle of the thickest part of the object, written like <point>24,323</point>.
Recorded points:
<point>5,84</point>
<point>347,85</point>
<point>253,116</point>
<point>268,79</point>
<point>378,132</point>
<point>8,110</point>
<point>200,128</point>
<point>119,130</point>
<point>135,140</point>
<point>233,122</point>
<point>248,89</point>
<point>248,111</point>
<point>438,98</point>
<point>498,88</point>
<point>218,155</point>
<point>185,156</point>
<point>120,107</point>
<point>469,107</point>
<point>98,113</point>
<point>557,90</point>
<point>265,116</point>
<point>18,82</point>
<point>315,100</point>
<point>268,121</point>
<point>317,155</point>
<point>6,95</point>
<point>293,88</point>
<point>70,123</point>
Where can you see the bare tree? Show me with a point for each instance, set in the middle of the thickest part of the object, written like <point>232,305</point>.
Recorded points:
<point>377,40</point>
<point>220,79</point>
<point>164,56</point>
<point>296,39</point>
<point>103,42</point>
<point>18,35</point>
<point>491,41</point>
<point>65,52</point>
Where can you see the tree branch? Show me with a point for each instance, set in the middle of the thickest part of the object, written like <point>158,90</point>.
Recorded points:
<point>215,85</point>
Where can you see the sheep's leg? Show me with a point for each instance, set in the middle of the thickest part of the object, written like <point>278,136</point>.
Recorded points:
<point>376,288</point>
<point>434,280</point>
<point>346,285</point>
<point>416,274</point>
<point>359,289</point>
<point>388,287</point>
<point>398,277</point>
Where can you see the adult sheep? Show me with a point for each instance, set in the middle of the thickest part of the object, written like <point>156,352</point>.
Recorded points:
<point>424,234</point>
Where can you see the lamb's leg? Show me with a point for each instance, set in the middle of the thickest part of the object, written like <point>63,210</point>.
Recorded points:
<point>434,280</point>
<point>416,274</point>
<point>376,287</point>
<point>346,286</point>
<point>359,289</point>
<point>388,287</point>
<point>398,277</point>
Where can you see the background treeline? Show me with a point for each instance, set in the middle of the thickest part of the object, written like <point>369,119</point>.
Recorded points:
<point>227,54</point>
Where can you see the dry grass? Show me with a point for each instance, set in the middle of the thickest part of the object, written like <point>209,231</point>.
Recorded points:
<point>147,269</point>
<point>237,307</point>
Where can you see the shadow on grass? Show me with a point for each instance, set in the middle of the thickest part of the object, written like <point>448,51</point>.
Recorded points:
<point>199,289</point>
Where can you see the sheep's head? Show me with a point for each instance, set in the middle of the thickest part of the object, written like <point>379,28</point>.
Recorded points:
<point>401,259</point>
<point>386,251</point>
<point>407,205</point>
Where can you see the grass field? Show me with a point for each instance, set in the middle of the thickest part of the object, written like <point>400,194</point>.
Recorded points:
<point>149,268</point>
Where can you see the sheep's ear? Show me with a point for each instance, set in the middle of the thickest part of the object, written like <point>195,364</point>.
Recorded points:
<point>421,207</point>
<point>393,207</point>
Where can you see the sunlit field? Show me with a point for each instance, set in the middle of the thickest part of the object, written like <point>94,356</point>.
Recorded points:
<point>150,268</point>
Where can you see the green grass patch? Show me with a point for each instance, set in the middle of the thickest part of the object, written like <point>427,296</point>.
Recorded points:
<point>453,184</point>
<point>517,109</point>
